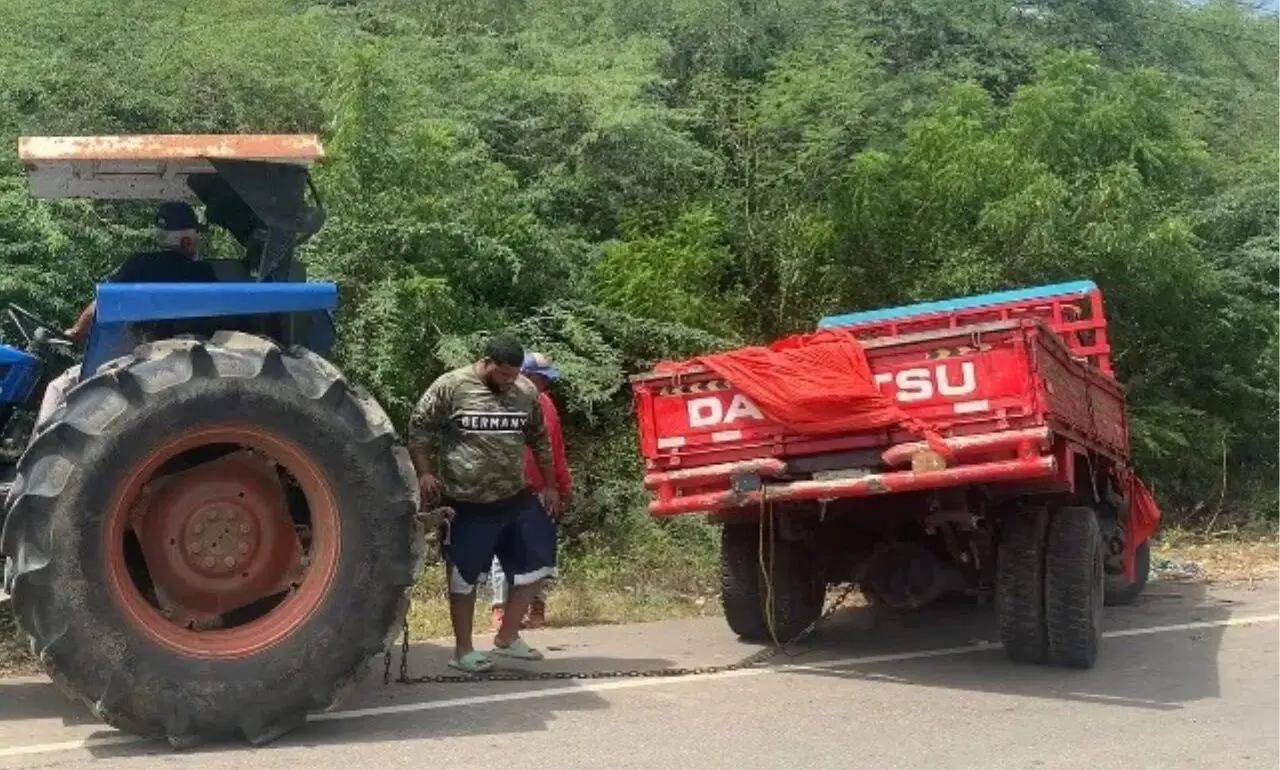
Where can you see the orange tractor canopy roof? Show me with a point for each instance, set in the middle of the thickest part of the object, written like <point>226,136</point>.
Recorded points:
<point>148,167</point>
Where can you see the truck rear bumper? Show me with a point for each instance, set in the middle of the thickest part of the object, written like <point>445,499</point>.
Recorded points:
<point>1023,469</point>
<point>1028,465</point>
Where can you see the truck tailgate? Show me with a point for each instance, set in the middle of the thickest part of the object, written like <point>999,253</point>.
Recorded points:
<point>961,381</point>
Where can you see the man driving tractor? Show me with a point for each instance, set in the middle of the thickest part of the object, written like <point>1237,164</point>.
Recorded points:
<point>178,231</point>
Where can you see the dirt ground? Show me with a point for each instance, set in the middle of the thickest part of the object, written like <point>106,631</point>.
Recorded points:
<point>1221,562</point>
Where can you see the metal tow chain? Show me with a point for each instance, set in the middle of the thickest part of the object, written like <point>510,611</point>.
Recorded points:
<point>751,661</point>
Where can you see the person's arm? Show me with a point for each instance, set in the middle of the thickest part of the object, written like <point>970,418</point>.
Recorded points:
<point>128,272</point>
<point>427,424</point>
<point>563,481</point>
<point>80,329</point>
<point>537,437</point>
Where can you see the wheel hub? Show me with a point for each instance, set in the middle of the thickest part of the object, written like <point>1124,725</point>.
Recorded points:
<point>217,537</point>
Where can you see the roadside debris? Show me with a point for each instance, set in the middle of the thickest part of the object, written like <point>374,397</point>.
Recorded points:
<point>1165,568</point>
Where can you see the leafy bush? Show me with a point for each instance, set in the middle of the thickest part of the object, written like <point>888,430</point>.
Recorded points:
<point>620,183</point>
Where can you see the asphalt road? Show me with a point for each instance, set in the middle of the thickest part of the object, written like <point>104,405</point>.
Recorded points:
<point>1188,678</point>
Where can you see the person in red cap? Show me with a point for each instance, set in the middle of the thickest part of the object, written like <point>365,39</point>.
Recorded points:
<point>540,371</point>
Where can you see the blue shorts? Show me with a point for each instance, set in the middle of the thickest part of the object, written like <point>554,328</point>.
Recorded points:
<point>516,530</point>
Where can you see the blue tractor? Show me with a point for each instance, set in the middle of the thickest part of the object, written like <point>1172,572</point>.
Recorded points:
<point>26,368</point>
<point>214,532</point>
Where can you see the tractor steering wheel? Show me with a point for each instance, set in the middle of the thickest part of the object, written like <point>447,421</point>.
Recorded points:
<point>45,332</point>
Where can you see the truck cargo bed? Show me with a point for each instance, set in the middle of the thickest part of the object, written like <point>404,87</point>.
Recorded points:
<point>1008,396</point>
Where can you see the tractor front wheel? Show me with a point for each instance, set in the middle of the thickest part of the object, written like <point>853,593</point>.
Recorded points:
<point>211,539</point>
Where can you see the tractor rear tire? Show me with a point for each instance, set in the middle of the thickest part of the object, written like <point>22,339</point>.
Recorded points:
<point>1020,605</point>
<point>1074,580</point>
<point>76,593</point>
<point>795,587</point>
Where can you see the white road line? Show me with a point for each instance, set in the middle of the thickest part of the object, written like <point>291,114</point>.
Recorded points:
<point>54,748</point>
<point>1244,621</point>
<point>624,684</point>
<point>981,646</point>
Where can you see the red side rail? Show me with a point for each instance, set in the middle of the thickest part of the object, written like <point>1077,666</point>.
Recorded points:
<point>1076,316</point>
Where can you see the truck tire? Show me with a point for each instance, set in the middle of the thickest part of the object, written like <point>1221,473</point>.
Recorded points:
<point>138,520</point>
<point>795,587</point>
<point>740,580</point>
<point>1118,592</point>
<point>1073,587</point>
<point>1020,605</point>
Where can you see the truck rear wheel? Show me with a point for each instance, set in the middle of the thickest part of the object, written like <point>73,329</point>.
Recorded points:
<point>1118,592</point>
<point>1020,604</point>
<point>795,587</point>
<point>1074,581</point>
<point>740,580</point>
<point>211,539</point>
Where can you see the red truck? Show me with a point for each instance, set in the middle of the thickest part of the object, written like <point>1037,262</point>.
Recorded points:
<point>1004,471</point>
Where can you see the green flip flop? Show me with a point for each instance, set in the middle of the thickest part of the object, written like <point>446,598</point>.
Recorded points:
<point>518,649</point>
<point>474,662</point>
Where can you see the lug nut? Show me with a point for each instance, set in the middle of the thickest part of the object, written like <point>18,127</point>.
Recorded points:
<point>230,561</point>
<point>244,529</point>
<point>208,561</point>
<point>194,547</point>
<point>243,548</point>
<point>197,528</point>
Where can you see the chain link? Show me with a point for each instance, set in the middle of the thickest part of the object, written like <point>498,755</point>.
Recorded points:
<point>751,661</point>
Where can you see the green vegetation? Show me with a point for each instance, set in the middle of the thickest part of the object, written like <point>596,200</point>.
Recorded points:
<point>622,182</point>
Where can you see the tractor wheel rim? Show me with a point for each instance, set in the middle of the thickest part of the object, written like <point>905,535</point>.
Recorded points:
<point>233,509</point>
<point>213,537</point>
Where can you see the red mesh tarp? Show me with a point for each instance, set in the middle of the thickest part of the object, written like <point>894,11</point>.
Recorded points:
<point>1144,517</point>
<point>813,384</point>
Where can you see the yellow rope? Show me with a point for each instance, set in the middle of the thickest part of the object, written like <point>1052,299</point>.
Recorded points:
<point>766,571</point>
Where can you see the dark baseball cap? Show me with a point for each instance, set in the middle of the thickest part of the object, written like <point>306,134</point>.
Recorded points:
<point>176,215</point>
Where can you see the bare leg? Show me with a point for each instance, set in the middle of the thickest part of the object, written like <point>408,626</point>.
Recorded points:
<point>462,609</point>
<point>517,604</point>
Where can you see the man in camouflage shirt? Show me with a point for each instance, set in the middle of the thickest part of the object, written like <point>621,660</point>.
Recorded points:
<point>467,437</point>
